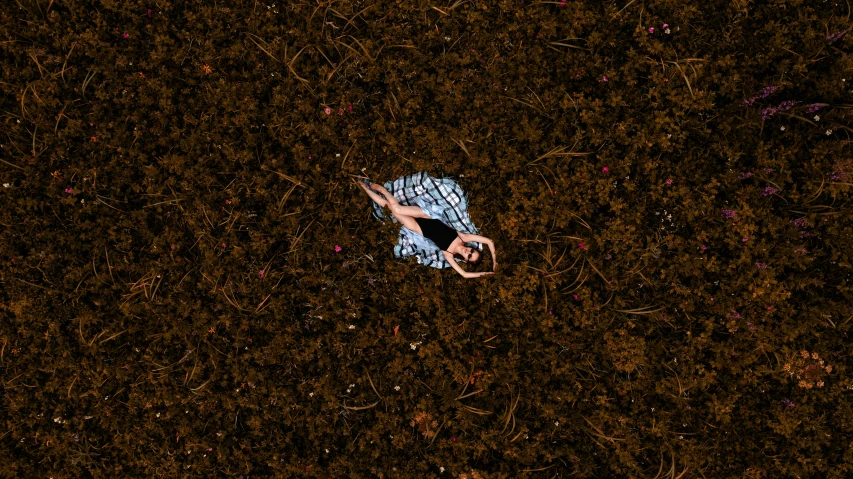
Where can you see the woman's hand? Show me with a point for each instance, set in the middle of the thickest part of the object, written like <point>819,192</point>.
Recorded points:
<point>494,265</point>
<point>477,275</point>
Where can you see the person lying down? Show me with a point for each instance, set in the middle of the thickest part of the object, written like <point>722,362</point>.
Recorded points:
<point>431,205</point>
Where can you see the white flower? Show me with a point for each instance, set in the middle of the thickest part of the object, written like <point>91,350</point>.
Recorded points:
<point>5,185</point>
<point>337,155</point>
<point>351,326</point>
<point>666,31</point>
<point>817,118</point>
<point>310,395</point>
<point>396,388</point>
<point>440,469</point>
<point>414,345</point>
<point>447,39</point>
<point>327,451</point>
<point>828,132</point>
<point>556,423</point>
<point>782,128</point>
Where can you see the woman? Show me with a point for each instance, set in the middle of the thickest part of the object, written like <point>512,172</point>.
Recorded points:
<point>449,241</point>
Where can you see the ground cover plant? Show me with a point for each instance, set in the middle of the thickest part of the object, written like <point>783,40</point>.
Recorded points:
<point>667,184</point>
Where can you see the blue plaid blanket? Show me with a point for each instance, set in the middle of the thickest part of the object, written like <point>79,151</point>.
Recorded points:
<point>441,199</point>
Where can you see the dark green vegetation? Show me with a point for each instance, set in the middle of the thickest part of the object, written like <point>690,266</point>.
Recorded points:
<point>158,160</point>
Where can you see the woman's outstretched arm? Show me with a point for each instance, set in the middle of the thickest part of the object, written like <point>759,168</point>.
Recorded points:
<point>465,274</point>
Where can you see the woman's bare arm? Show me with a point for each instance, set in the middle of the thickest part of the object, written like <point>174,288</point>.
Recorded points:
<point>481,239</point>
<point>465,274</point>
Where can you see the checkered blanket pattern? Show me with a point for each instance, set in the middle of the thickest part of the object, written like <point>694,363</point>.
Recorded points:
<point>440,198</point>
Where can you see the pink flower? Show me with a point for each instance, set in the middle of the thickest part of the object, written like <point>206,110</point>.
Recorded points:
<point>575,296</point>
<point>340,111</point>
<point>173,247</point>
<point>605,170</point>
<point>223,245</point>
<point>651,29</point>
<point>665,25</point>
<point>149,12</point>
<point>309,157</point>
<point>604,78</point>
<point>261,272</point>
<point>125,35</point>
<point>745,239</point>
<point>453,439</point>
<point>349,108</point>
<point>581,246</point>
<point>328,111</point>
<point>703,247</point>
<point>68,190</point>
<point>669,181</point>
<point>338,249</point>
<point>227,202</point>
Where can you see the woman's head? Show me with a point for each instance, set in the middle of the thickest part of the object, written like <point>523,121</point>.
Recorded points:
<point>469,255</point>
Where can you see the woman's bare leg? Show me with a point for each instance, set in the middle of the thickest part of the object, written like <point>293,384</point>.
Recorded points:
<point>396,207</point>
<point>374,196</point>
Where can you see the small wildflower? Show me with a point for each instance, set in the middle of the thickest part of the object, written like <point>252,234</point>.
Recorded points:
<point>788,403</point>
<point>604,78</point>
<point>5,185</point>
<point>338,249</point>
<point>669,181</point>
<point>582,246</point>
<point>207,69</point>
<point>760,265</point>
<point>68,190</point>
<point>744,175</point>
<point>817,118</point>
<point>782,128</point>
<point>349,108</point>
<point>750,326</point>
<point>261,272</point>
<point>703,248</point>
<point>351,326</point>
<point>828,132</point>
<point>223,245</point>
<point>744,239</point>
<point>729,214</point>
<point>651,29</point>
<point>820,384</point>
<point>328,111</point>
<point>396,388</point>
<point>801,251</point>
<point>664,25</point>
<point>769,190</point>
<point>126,35</point>
<point>341,111</point>
<point>576,298</point>
<point>666,31</point>
<point>605,170</point>
<point>562,3</point>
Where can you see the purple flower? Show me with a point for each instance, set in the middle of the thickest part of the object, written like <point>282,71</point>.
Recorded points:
<point>750,326</point>
<point>767,113</point>
<point>651,29</point>
<point>814,107</point>
<point>126,35</point>
<point>835,36</point>
<point>729,214</point>
<point>734,314</point>
<point>769,190</point>
<point>703,248</point>
<point>745,175</point>
<point>261,272</point>
<point>801,251</point>
<point>768,170</point>
<point>788,403</point>
<point>69,190</point>
<point>761,265</point>
<point>763,93</point>
<point>801,222</point>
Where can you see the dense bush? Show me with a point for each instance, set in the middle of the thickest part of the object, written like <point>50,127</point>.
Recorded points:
<point>667,185</point>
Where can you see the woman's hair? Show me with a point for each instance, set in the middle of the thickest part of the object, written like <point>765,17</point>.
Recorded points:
<point>474,262</point>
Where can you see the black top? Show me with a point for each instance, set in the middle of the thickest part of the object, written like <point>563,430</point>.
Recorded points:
<point>438,232</point>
